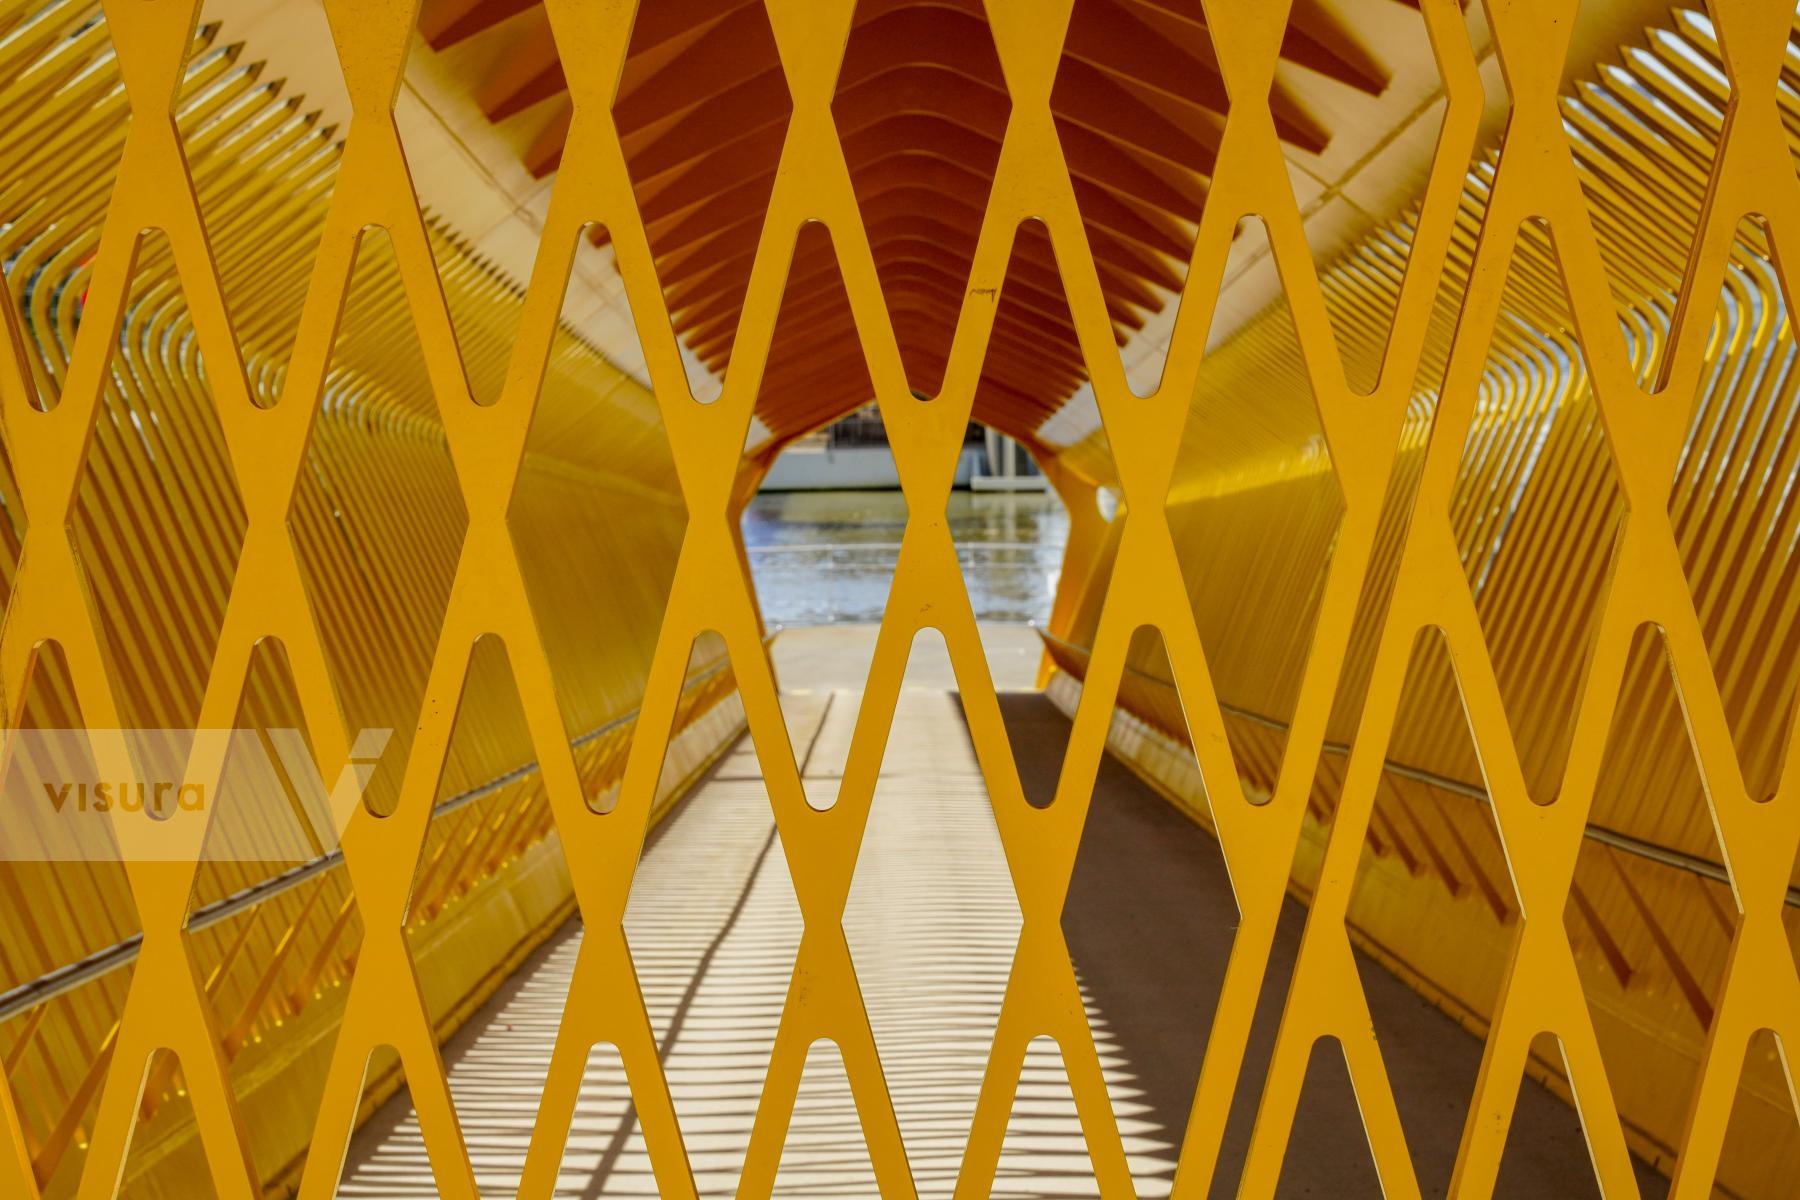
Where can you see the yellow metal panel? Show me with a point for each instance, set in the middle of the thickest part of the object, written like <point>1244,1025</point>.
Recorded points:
<point>1399,460</point>
<point>376,522</point>
<point>1534,510</point>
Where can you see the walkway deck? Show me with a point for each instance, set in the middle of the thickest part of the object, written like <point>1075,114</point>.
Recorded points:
<point>932,922</point>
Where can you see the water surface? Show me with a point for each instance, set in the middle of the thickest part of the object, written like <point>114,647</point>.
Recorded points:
<point>823,558</point>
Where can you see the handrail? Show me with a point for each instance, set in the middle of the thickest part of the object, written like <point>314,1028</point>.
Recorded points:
<point>65,979</point>
<point>1666,855</point>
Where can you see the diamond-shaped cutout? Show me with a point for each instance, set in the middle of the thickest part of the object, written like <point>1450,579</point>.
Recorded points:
<point>489,745</point>
<point>1139,107</point>
<point>606,1153</point>
<point>1496,95</point>
<point>304,1001</point>
<point>486,215</point>
<point>703,166</point>
<point>270,815</point>
<point>55,845</point>
<point>1379,72</point>
<point>1738,434</point>
<point>921,106</point>
<point>932,920</point>
<point>485,809</point>
<point>378,475</point>
<point>1045,1152</point>
<point>388,1155</point>
<point>485,306</point>
<point>1033,361</point>
<point>1148,845</point>
<point>708,718</point>
<point>1035,391</point>
<point>1647,106</point>
<point>52,814</point>
<point>815,371</point>
<point>822,557</point>
<point>1328,1151</point>
<point>597,447</point>
<point>1434,918</point>
<point>1652,933</point>
<point>1255,508</point>
<point>1543,1152</point>
<point>1070,546</point>
<point>272,810</point>
<point>714,927</point>
<point>1537,508</point>
<point>825,1152</point>
<point>483,221</point>
<point>1761,1154</point>
<point>264,155</point>
<point>64,61</point>
<point>1011,532</point>
<point>1151,916</point>
<point>321,977</point>
<point>158,447</point>
<point>165,1143</point>
<point>13,520</point>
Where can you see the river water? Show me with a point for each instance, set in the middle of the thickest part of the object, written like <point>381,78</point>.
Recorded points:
<point>826,558</point>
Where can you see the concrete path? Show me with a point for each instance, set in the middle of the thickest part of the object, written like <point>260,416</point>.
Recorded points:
<point>931,923</point>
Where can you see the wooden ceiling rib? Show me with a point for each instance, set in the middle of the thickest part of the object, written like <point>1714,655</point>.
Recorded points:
<point>921,107</point>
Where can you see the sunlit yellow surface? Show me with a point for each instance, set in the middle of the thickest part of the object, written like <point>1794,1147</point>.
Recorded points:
<point>318,466</point>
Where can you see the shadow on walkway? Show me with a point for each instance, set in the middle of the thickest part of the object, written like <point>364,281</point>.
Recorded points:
<point>932,922</point>
<point>1149,921</point>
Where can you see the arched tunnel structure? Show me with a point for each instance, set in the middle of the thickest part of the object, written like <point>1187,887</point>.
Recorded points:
<point>1396,793</point>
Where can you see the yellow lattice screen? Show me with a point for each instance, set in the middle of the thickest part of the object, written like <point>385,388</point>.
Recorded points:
<point>300,409</point>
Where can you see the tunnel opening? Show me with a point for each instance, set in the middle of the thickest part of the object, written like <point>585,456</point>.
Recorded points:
<point>823,595</point>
